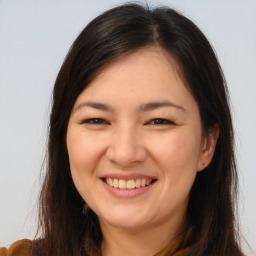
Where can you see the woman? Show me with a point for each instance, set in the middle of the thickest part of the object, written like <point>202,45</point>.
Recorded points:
<point>140,155</point>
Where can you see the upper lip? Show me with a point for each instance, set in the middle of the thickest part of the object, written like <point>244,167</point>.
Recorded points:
<point>127,176</point>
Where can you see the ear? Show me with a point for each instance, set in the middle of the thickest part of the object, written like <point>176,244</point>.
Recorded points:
<point>208,147</point>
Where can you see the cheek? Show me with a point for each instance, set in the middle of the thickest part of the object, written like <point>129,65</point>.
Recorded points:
<point>179,167</point>
<point>179,148</point>
<point>178,156</point>
<point>83,151</point>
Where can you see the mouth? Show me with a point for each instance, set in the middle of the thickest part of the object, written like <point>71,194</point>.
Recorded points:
<point>128,184</point>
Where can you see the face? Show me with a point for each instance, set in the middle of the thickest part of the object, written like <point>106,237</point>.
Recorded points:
<point>135,142</point>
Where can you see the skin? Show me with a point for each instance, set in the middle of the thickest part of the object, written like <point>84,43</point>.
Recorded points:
<point>131,138</point>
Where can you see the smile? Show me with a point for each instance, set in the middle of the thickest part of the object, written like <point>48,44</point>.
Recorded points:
<point>128,184</point>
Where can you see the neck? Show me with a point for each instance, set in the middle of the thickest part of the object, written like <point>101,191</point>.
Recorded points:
<point>117,241</point>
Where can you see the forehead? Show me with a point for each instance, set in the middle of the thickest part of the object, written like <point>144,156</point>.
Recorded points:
<point>153,55</point>
<point>146,74</point>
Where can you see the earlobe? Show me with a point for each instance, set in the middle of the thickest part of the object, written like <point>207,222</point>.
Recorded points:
<point>208,148</point>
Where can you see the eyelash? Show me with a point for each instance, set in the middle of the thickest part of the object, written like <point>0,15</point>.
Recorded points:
<point>161,121</point>
<point>96,121</point>
<point>155,121</point>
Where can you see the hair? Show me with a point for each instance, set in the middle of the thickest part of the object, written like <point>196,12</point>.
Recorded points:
<point>113,34</point>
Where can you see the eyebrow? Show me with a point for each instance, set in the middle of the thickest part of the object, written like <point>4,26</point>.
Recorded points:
<point>158,104</point>
<point>95,105</point>
<point>145,107</point>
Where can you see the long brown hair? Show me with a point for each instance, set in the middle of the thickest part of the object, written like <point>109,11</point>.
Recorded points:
<point>211,209</point>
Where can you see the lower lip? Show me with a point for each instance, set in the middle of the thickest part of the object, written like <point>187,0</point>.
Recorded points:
<point>127,193</point>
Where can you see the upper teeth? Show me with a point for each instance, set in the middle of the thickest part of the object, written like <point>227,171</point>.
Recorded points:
<point>129,184</point>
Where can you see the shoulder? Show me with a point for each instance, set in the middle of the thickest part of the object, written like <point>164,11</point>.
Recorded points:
<point>19,248</point>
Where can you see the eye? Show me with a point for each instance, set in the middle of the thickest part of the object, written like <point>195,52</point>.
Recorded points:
<point>161,121</point>
<point>96,121</point>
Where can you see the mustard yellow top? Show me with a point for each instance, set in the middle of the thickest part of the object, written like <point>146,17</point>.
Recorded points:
<point>19,248</point>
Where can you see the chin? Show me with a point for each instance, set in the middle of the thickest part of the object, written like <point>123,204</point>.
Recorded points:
<point>127,220</point>
<point>131,225</point>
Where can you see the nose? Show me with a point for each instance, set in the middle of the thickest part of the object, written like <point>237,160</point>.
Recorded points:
<point>126,148</point>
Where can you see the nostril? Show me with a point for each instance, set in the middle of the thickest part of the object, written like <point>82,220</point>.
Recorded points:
<point>126,154</point>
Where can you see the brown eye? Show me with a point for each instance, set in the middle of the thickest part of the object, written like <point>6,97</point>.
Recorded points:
<point>97,121</point>
<point>160,121</point>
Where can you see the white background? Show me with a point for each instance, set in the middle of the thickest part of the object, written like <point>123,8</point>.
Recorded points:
<point>34,39</point>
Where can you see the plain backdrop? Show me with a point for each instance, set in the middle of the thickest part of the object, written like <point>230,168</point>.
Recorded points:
<point>35,36</point>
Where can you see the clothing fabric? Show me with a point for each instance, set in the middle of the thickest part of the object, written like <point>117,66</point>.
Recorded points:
<point>19,248</point>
